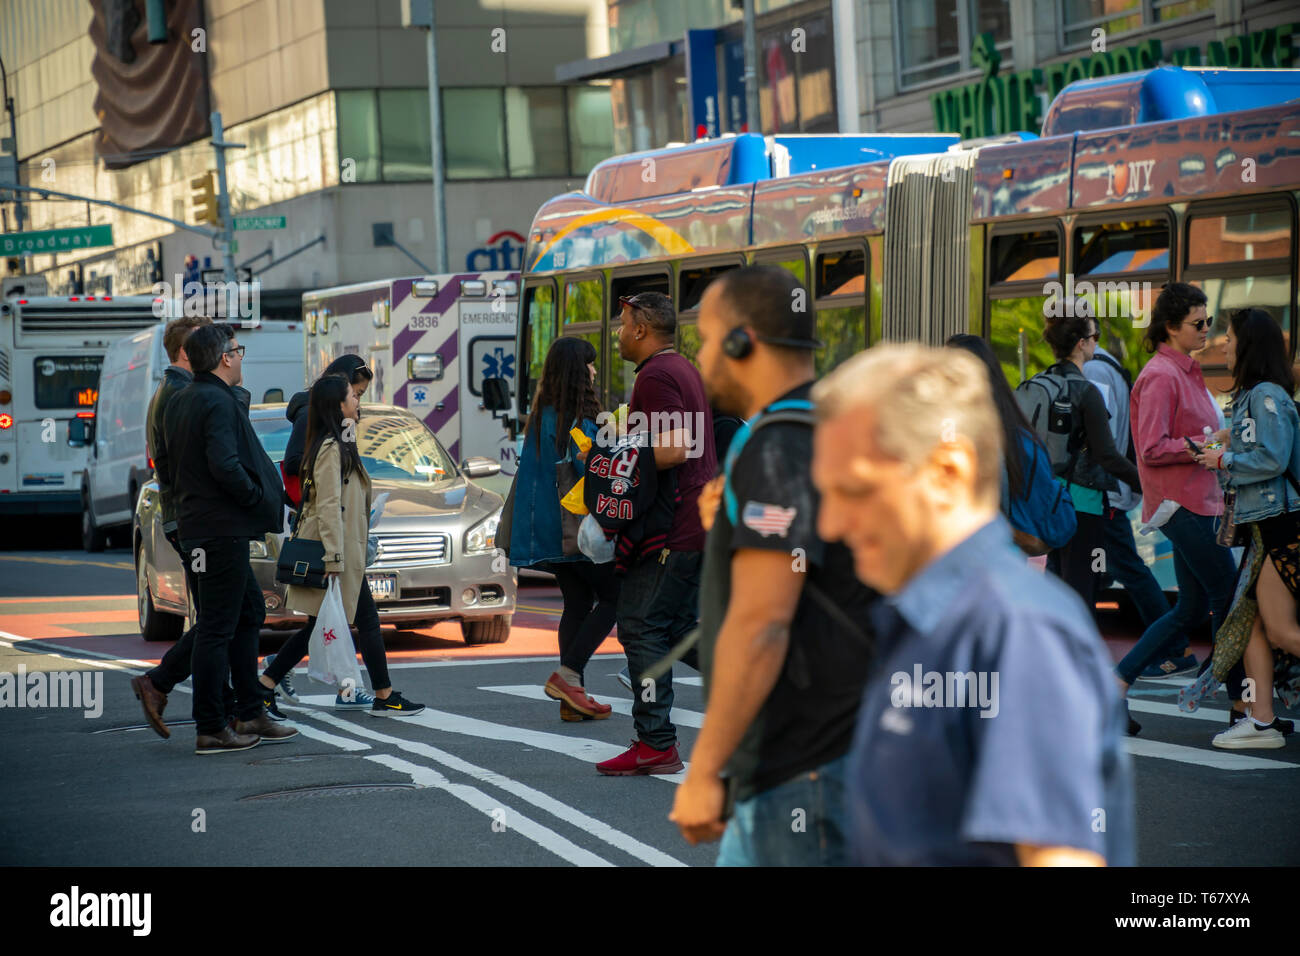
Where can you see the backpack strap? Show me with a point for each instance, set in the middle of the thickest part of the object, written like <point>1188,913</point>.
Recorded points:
<point>1124,373</point>
<point>794,410</point>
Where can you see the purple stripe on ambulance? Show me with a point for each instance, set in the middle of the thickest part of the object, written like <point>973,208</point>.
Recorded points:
<point>403,341</point>
<point>439,417</point>
<point>454,451</point>
<point>401,289</point>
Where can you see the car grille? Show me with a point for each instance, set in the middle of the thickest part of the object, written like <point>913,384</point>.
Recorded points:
<point>411,550</point>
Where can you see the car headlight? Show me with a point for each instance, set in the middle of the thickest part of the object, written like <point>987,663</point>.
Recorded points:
<point>257,549</point>
<point>482,537</point>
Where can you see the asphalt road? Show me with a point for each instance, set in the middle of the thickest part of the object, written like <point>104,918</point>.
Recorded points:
<point>488,775</point>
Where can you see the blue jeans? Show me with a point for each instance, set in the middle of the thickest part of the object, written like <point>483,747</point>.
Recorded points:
<point>1205,575</point>
<point>658,605</point>
<point>802,822</point>
<point>1128,568</point>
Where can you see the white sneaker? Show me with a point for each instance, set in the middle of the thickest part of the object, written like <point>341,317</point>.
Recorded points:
<point>1244,735</point>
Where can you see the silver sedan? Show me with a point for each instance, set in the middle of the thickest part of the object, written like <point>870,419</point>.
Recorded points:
<point>437,558</point>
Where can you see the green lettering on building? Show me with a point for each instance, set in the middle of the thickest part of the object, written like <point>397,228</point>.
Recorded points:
<point>1009,102</point>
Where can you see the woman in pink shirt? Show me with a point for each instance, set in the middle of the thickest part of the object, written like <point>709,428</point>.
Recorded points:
<point>1170,405</point>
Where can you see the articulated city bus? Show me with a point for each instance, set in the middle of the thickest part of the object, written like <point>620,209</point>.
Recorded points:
<point>1166,174</point>
<point>51,349</point>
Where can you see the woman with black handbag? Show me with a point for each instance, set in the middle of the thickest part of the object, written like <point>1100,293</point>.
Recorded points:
<point>543,534</point>
<point>1261,466</point>
<point>336,513</point>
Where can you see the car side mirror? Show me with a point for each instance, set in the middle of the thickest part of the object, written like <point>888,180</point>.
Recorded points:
<point>479,467</point>
<point>81,432</point>
<point>496,395</point>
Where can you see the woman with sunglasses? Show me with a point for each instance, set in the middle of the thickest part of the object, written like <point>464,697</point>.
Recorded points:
<point>1171,411</point>
<point>1097,462</point>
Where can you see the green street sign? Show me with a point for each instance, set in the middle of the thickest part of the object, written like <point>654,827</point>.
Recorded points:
<point>260,222</point>
<point>55,240</point>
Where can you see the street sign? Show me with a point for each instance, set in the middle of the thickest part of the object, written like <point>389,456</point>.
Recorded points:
<point>55,240</point>
<point>260,222</point>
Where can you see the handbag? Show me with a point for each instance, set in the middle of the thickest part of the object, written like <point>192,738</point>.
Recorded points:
<point>1229,534</point>
<point>566,477</point>
<point>301,561</point>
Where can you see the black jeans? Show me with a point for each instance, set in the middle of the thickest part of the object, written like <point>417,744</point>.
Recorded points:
<point>590,605</point>
<point>177,663</point>
<point>1074,560</point>
<point>657,607</point>
<point>231,612</point>
<point>369,641</point>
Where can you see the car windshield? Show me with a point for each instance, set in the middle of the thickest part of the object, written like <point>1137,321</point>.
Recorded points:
<point>274,434</point>
<point>398,448</point>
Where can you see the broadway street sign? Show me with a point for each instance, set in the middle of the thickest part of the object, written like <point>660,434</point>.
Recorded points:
<point>260,222</point>
<point>55,240</point>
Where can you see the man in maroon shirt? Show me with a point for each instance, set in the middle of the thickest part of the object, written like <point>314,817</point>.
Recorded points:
<point>659,600</point>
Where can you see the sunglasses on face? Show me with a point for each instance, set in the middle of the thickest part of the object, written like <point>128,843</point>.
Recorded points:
<point>1202,325</point>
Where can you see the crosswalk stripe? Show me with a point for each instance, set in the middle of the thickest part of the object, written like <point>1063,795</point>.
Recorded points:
<point>680,715</point>
<point>542,801</point>
<point>1209,757</point>
<point>512,819</point>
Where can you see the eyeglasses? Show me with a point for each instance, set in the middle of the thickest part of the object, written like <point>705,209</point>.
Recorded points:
<point>1202,324</point>
<point>238,348</point>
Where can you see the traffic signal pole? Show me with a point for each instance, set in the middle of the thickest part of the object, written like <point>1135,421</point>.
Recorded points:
<point>223,198</point>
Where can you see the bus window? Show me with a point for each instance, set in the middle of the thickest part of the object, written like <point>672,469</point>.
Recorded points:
<point>1025,257</point>
<point>589,331</point>
<point>1016,334</point>
<point>1239,260</point>
<point>844,332</point>
<point>694,279</point>
<point>792,260</point>
<point>842,272</point>
<point>1115,248</point>
<point>688,342</point>
<point>539,314</point>
<point>583,301</point>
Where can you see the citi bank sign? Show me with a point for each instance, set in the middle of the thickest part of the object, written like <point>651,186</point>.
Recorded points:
<point>500,254</point>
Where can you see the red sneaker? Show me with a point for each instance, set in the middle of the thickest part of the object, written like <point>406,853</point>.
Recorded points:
<point>640,759</point>
<point>577,698</point>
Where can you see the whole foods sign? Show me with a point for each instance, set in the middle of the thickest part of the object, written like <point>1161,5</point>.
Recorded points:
<point>1011,102</point>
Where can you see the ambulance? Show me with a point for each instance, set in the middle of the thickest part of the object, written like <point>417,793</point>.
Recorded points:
<point>431,341</point>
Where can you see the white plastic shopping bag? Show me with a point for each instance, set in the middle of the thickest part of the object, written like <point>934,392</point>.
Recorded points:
<point>332,656</point>
<point>592,541</point>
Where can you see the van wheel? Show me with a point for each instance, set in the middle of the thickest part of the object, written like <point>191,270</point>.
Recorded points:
<point>93,538</point>
<point>153,625</point>
<point>493,631</point>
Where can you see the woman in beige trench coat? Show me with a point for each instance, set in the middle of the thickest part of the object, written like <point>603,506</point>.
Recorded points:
<point>336,512</point>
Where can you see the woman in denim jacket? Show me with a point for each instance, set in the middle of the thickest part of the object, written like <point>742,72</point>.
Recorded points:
<point>564,395</point>
<point>1264,450</point>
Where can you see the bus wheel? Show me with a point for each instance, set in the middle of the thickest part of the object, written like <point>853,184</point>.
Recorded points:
<point>492,631</point>
<point>93,538</point>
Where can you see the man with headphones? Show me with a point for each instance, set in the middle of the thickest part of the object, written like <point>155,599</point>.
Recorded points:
<point>785,641</point>
<point>659,595</point>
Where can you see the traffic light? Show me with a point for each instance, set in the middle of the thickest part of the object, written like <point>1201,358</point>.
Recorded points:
<point>203,198</point>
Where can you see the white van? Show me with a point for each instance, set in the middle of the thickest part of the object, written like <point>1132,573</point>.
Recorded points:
<point>133,368</point>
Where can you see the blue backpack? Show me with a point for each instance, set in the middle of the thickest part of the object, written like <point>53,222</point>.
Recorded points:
<point>1043,515</point>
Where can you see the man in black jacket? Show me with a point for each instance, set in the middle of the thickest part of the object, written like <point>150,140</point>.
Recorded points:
<point>152,688</point>
<point>227,492</point>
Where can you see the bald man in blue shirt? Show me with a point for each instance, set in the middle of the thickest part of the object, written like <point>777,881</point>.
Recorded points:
<point>990,732</point>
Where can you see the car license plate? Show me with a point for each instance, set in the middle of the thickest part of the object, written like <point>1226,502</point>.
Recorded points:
<point>383,587</point>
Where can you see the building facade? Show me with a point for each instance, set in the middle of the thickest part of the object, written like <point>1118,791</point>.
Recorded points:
<point>975,67</point>
<point>330,99</point>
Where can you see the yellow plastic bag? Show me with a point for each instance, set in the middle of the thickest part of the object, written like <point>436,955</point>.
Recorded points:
<point>572,502</point>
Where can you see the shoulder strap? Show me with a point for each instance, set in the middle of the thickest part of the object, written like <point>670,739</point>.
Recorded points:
<point>794,410</point>
<point>1124,373</point>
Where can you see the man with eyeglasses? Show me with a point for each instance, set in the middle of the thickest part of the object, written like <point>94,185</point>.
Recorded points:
<point>227,492</point>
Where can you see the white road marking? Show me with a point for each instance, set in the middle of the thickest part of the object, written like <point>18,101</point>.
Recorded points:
<point>1171,710</point>
<point>514,821</point>
<point>687,718</point>
<point>542,801</point>
<point>1209,757</point>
